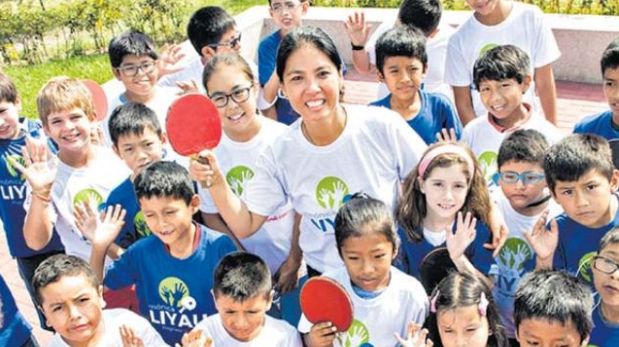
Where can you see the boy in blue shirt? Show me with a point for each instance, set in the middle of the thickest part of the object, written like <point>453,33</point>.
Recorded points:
<point>172,269</point>
<point>606,124</point>
<point>402,62</point>
<point>606,280</point>
<point>13,133</point>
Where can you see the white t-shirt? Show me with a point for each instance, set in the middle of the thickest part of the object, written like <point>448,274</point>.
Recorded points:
<point>96,181</point>
<point>524,27</point>
<point>485,140</point>
<point>513,257</point>
<point>274,333</point>
<point>113,319</point>
<point>237,160</point>
<point>436,49</point>
<point>374,153</point>
<point>376,320</point>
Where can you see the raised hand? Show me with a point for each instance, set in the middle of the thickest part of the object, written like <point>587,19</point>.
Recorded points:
<point>416,337</point>
<point>188,87</point>
<point>446,135</point>
<point>169,58</point>
<point>39,170</point>
<point>196,338</point>
<point>544,242</point>
<point>358,30</point>
<point>465,234</point>
<point>205,169</point>
<point>100,230</point>
<point>129,338</point>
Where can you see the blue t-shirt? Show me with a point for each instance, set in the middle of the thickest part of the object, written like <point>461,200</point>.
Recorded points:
<point>174,294</point>
<point>604,334</point>
<point>436,113</point>
<point>578,245</point>
<point>135,226</point>
<point>14,330</point>
<point>13,193</point>
<point>600,124</point>
<point>412,253</point>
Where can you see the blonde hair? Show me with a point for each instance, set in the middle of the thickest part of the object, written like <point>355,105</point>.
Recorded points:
<point>64,94</point>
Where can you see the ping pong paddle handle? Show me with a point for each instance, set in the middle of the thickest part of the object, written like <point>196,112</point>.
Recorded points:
<point>202,160</point>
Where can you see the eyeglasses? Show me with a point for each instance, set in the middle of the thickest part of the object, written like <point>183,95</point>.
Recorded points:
<point>288,6</point>
<point>232,43</point>
<point>605,265</point>
<point>132,70</point>
<point>526,177</point>
<point>240,95</point>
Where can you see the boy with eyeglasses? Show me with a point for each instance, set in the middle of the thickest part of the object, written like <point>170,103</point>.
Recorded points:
<point>522,200</point>
<point>606,281</point>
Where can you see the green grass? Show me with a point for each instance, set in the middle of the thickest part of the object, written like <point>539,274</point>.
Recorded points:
<point>29,79</point>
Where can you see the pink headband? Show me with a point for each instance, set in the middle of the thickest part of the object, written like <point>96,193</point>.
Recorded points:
<point>482,306</point>
<point>446,149</point>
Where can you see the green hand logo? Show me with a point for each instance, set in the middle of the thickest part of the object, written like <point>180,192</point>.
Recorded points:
<point>140,225</point>
<point>172,291</point>
<point>514,254</point>
<point>330,192</point>
<point>486,48</point>
<point>487,163</point>
<point>89,196</point>
<point>11,169</point>
<point>237,177</point>
<point>357,335</point>
<point>584,266</point>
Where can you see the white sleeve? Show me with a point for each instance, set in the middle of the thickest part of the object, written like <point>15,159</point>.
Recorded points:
<point>370,46</point>
<point>147,332</point>
<point>265,192</point>
<point>545,49</point>
<point>407,146</point>
<point>304,325</point>
<point>207,205</point>
<point>456,68</point>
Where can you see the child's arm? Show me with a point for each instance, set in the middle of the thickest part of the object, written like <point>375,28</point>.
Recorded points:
<point>102,231</point>
<point>288,273</point>
<point>464,103</point>
<point>458,243</point>
<point>40,173</point>
<point>358,32</point>
<point>416,337</point>
<point>196,338</point>
<point>321,335</point>
<point>545,84</point>
<point>498,228</point>
<point>544,242</point>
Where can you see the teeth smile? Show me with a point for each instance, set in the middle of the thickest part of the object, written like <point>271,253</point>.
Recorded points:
<point>235,117</point>
<point>315,103</point>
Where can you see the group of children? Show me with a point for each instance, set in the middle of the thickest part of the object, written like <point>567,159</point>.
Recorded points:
<point>442,234</point>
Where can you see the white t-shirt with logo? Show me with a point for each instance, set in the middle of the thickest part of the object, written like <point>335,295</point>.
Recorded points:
<point>238,160</point>
<point>524,27</point>
<point>274,333</point>
<point>374,153</point>
<point>436,49</point>
<point>113,319</point>
<point>485,140</point>
<point>515,258</point>
<point>95,182</point>
<point>377,320</point>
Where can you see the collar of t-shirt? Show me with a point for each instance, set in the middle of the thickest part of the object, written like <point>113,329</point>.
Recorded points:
<point>196,239</point>
<point>368,295</point>
<point>502,129</point>
<point>434,238</point>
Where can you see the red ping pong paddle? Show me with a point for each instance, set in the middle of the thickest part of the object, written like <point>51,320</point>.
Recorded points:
<point>324,300</point>
<point>193,124</point>
<point>99,99</point>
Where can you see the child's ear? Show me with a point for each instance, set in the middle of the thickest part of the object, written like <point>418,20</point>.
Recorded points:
<point>163,138</point>
<point>115,149</point>
<point>194,204</point>
<point>116,73</point>
<point>270,300</point>
<point>381,78</point>
<point>100,294</point>
<point>614,181</point>
<point>420,182</point>
<point>526,83</point>
<point>207,53</point>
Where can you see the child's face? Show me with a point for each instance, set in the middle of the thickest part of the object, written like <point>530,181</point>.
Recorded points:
<point>368,260</point>
<point>605,274</point>
<point>230,42</point>
<point>229,85</point>
<point>9,120</point>
<point>72,306</point>
<point>170,219</point>
<point>503,99</point>
<point>519,194</point>
<point>139,74</point>
<point>445,189</point>
<point>403,76</point>
<point>288,14</point>
<point>463,326</point>
<point>611,89</point>
<point>69,129</point>
<point>587,200</point>
<point>243,320</point>
<point>544,333</point>
<point>483,7</point>
<point>140,150</point>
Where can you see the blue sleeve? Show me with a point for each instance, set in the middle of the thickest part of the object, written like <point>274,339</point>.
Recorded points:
<point>267,53</point>
<point>224,246</point>
<point>123,271</point>
<point>449,115</point>
<point>480,256</point>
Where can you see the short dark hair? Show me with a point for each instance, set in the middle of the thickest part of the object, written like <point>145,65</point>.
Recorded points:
<point>524,145</point>
<point>362,215</point>
<point>132,118</point>
<point>502,63</point>
<point>554,296</point>
<point>8,91</point>
<point>424,15</point>
<point>54,268</point>
<point>403,42</point>
<point>241,276</point>
<point>610,57</point>
<point>164,179</point>
<point>229,59</point>
<point>207,26</point>
<point>610,238</point>
<point>575,155</point>
<point>130,43</point>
